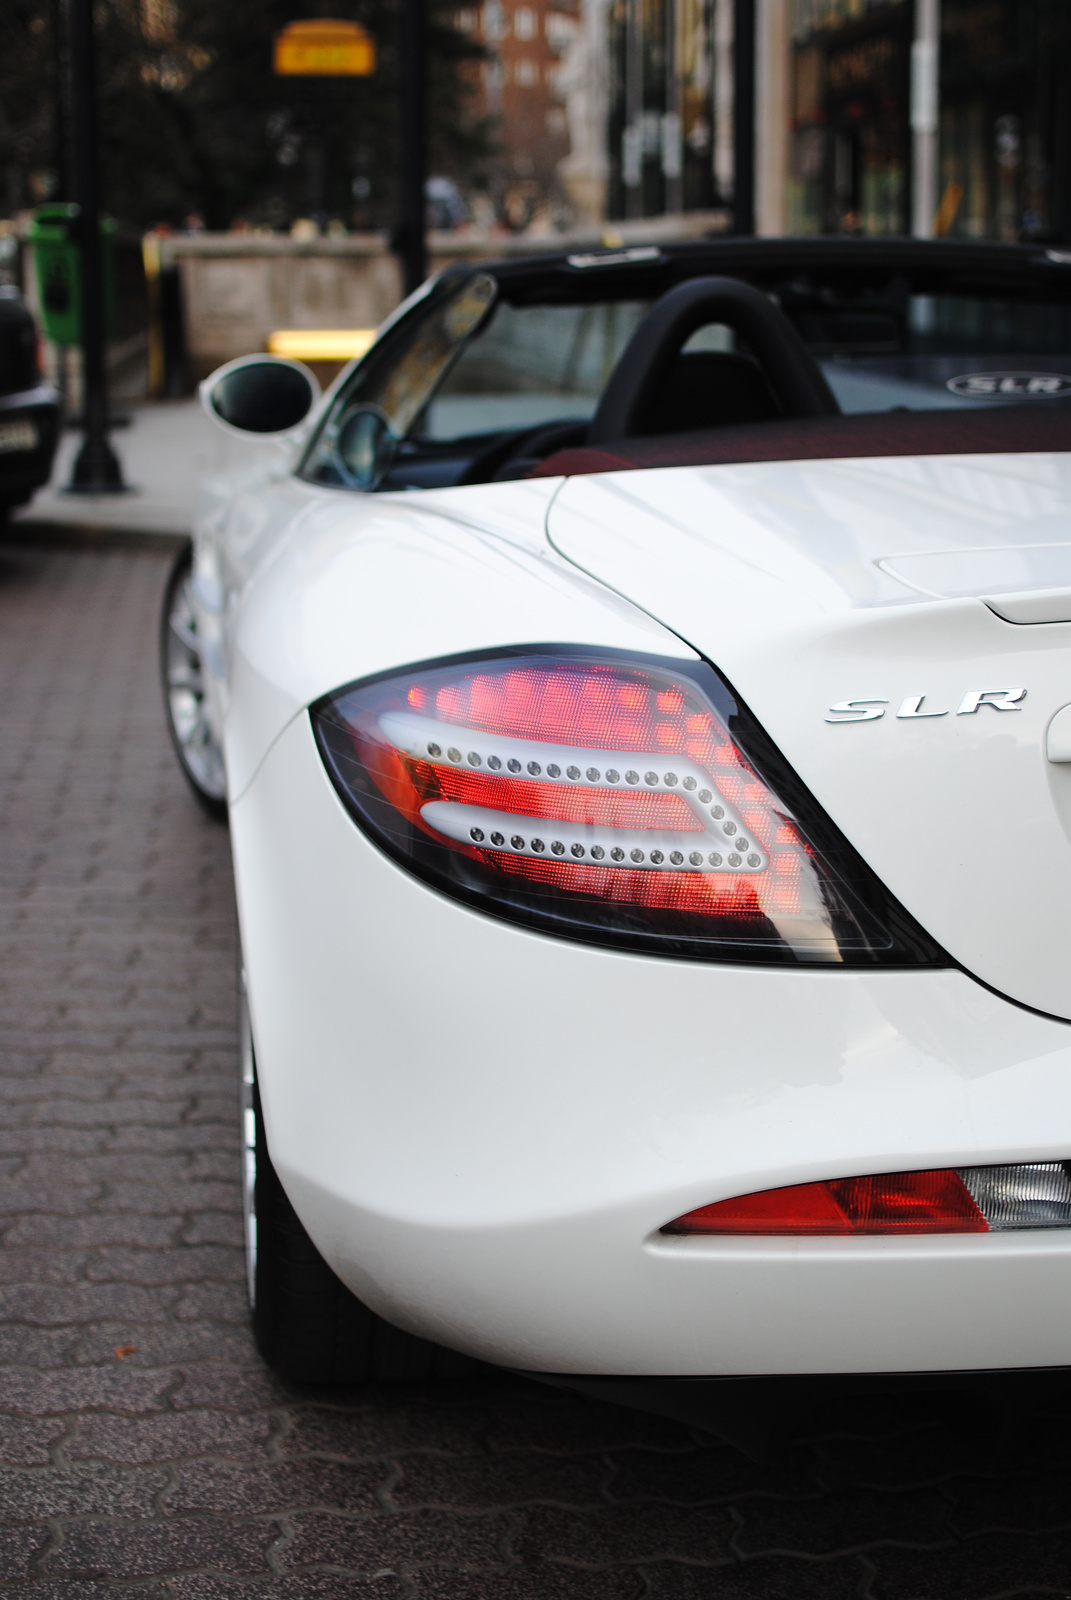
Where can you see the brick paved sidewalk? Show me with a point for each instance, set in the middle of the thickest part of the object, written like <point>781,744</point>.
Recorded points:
<point>143,1445</point>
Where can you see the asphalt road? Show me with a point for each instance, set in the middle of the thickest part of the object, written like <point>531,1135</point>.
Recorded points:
<point>144,1446</point>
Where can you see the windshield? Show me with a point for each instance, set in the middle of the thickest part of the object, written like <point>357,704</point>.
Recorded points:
<point>474,367</point>
<point>486,379</point>
<point>397,389</point>
<point>532,365</point>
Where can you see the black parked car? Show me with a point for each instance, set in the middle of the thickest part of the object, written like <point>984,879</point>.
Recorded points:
<point>29,409</point>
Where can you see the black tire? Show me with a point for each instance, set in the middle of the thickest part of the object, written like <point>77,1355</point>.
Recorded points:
<point>182,682</point>
<point>307,1325</point>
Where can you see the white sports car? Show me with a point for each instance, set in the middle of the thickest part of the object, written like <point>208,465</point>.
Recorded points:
<point>640,691</point>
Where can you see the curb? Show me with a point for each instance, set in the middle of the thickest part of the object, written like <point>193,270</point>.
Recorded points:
<point>88,536</point>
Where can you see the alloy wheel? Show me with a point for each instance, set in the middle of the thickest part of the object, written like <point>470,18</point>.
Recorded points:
<point>248,1109</point>
<point>184,687</point>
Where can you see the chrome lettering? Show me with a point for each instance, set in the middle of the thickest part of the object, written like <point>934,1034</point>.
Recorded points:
<point>857,711</point>
<point>911,707</point>
<point>999,699</point>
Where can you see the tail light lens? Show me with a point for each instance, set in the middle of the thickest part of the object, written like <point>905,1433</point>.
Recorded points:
<point>629,802</point>
<point>949,1200</point>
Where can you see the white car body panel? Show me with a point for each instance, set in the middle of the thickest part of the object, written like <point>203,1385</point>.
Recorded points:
<point>483,1127</point>
<point>312,617</point>
<point>791,595</point>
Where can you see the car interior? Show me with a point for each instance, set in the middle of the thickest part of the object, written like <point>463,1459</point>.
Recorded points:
<point>692,355</point>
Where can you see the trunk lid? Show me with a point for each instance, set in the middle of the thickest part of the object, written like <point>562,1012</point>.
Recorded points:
<point>914,584</point>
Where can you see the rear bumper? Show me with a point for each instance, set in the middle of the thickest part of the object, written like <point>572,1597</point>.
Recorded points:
<point>484,1129</point>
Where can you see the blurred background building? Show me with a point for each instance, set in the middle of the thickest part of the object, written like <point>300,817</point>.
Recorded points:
<point>1002,117</point>
<point>519,95</point>
<point>259,202</point>
<point>870,116</point>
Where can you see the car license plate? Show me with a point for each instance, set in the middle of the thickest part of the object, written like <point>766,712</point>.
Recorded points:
<point>18,435</point>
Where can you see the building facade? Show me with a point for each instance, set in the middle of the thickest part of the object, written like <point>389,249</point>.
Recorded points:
<point>519,91</point>
<point>1002,126</point>
<point>610,106</point>
<point>662,58</point>
<point>871,116</point>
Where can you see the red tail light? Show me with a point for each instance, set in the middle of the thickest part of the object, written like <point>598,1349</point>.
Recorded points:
<point>606,799</point>
<point>946,1200</point>
<point>895,1202</point>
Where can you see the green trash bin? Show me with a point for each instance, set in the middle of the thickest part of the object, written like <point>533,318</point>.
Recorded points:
<point>53,234</point>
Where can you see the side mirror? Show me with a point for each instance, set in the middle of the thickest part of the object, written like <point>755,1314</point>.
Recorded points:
<point>365,446</point>
<point>260,395</point>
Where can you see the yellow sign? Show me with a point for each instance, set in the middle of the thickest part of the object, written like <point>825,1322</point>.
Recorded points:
<point>326,48</point>
<point>320,344</point>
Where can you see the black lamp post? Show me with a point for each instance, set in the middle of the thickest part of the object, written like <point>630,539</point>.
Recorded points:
<point>410,237</point>
<point>61,101</point>
<point>743,116</point>
<point>96,467</point>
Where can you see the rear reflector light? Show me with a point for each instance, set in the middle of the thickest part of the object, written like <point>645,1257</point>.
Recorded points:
<point>616,800</point>
<point>950,1200</point>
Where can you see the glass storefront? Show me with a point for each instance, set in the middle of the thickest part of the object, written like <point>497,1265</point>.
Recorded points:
<point>661,55</point>
<point>850,142</point>
<point>1005,118</point>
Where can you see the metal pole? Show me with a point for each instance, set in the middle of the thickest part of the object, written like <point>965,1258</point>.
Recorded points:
<point>96,467</point>
<point>411,243</point>
<point>924,93</point>
<point>672,122</point>
<point>61,103</point>
<point>61,139</point>
<point>632,139</point>
<point>743,116</point>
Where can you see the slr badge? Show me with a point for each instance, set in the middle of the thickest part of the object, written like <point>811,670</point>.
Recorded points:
<point>914,705</point>
<point>1011,385</point>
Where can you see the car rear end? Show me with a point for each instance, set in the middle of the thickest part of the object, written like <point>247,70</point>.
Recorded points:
<point>29,409</point>
<point>673,1107</point>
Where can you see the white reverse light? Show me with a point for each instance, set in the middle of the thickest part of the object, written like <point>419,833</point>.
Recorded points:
<point>715,838</point>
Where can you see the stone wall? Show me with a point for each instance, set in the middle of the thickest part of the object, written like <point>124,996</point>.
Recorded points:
<point>239,288</point>
<point>236,291</point>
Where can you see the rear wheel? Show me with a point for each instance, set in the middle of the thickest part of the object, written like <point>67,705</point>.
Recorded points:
<point>182,675</point>
<point>308,1326</point>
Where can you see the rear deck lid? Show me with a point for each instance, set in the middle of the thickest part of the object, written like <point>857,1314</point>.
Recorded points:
<point>931,598</point>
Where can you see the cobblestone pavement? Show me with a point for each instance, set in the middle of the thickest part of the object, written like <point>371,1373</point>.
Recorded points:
<point>142,1443</point>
